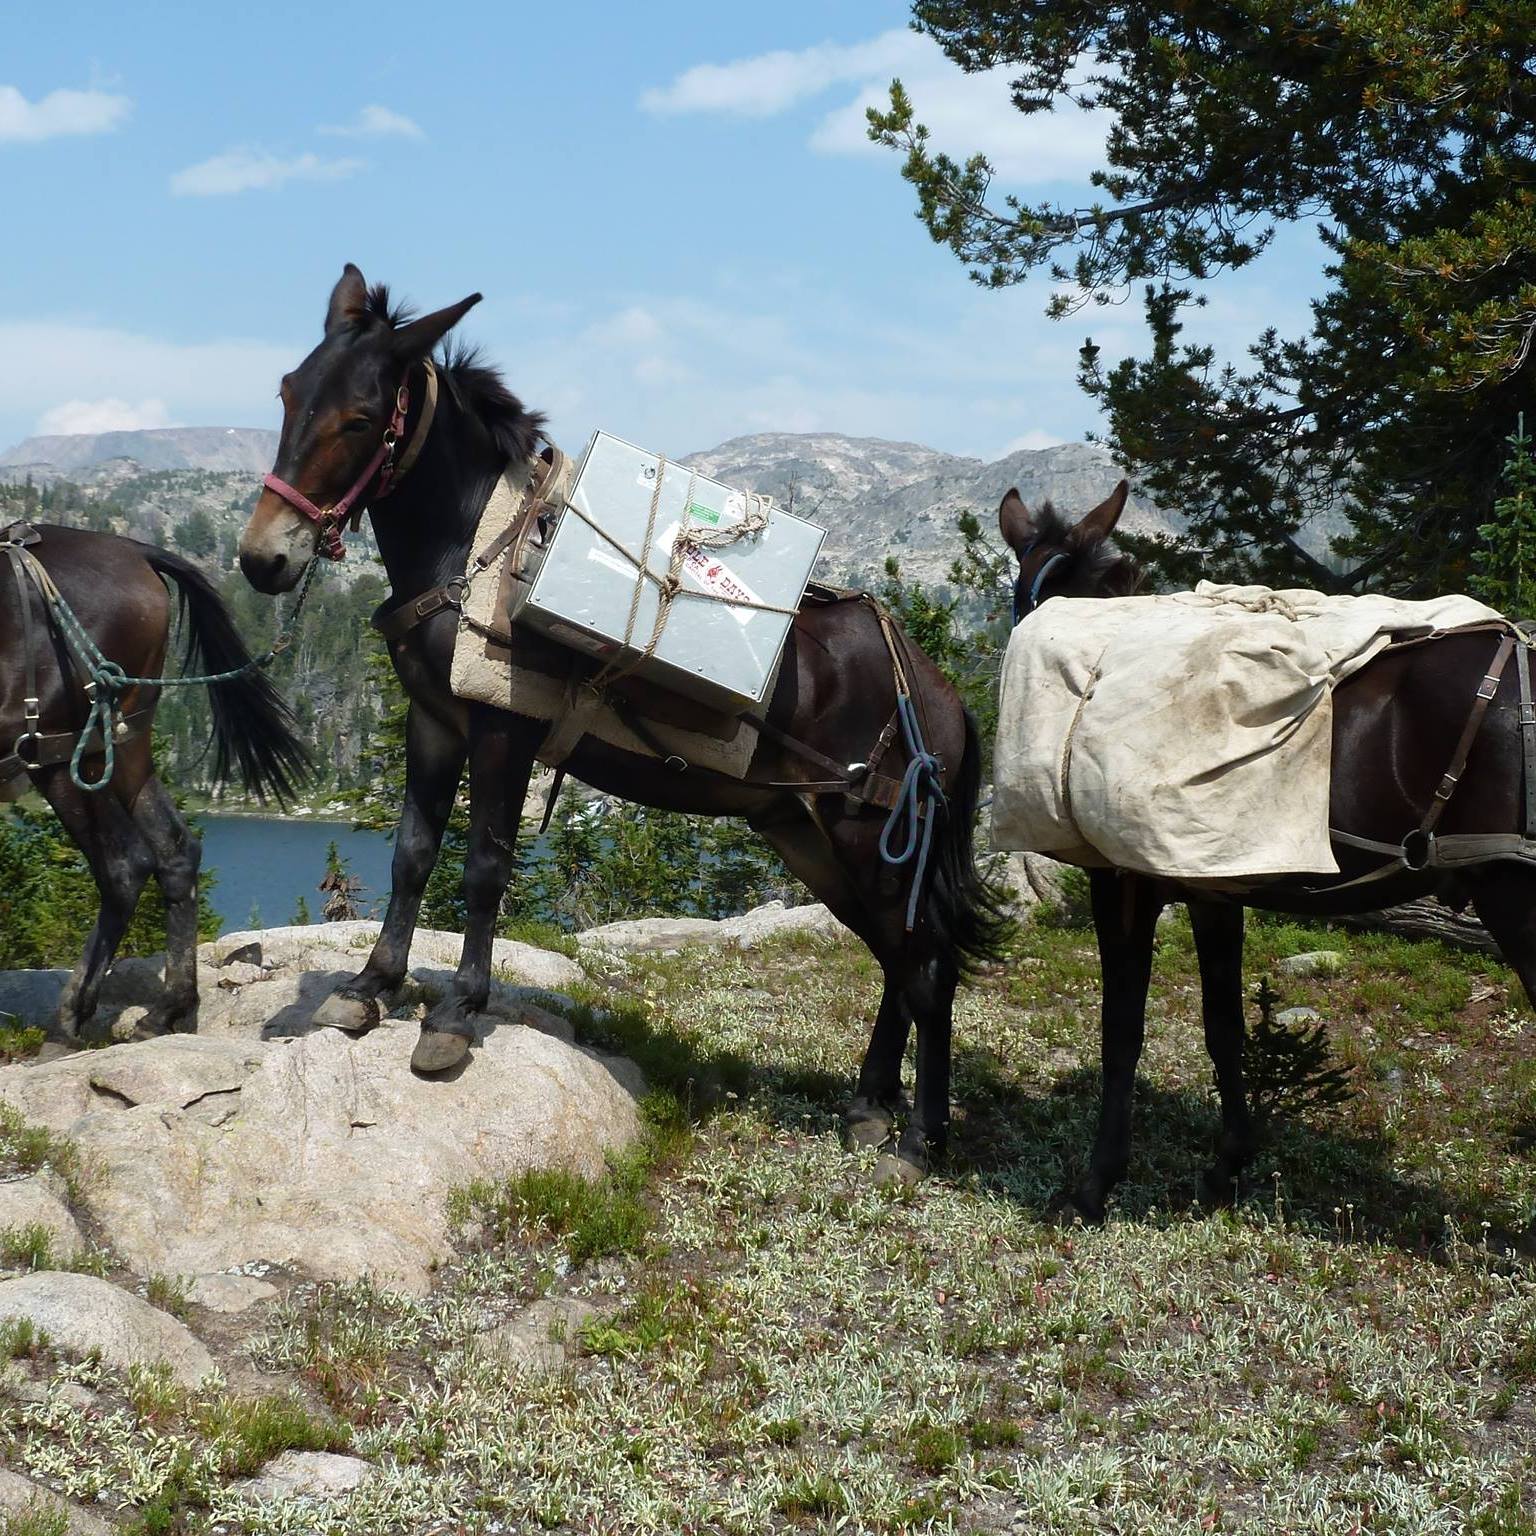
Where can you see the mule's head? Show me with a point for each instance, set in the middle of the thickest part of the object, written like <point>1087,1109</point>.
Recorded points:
<point>1062,559</point>
<point>337,406</point>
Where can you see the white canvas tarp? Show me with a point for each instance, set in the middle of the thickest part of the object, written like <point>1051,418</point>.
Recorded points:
<point>1186,735</point>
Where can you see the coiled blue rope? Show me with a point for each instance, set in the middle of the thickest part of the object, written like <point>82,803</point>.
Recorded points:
<point>108,682</point>
<point>919,800</point>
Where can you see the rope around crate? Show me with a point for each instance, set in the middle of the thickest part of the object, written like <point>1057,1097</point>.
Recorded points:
<point>690,539</point>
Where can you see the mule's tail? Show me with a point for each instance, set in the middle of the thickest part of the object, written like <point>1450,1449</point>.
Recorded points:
<point>968,913</point>
<point>252,724</point>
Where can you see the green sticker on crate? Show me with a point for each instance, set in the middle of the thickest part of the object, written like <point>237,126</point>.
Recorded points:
<point>699,514</point>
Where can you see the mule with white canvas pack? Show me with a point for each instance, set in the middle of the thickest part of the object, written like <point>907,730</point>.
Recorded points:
<point>1302,754</point>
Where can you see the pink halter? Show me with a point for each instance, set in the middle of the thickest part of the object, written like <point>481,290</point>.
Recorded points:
<point>332,519</point>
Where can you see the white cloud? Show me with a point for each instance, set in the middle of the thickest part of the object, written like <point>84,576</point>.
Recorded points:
<point>964,113</point>
<point>58,113</point>
<point>375,122</point>
<point>74,376</point>
<point>970,113</point>
<point>1033,442</point>
<point>770,82</point>
<point>246,170</point>
<point>109,415</point>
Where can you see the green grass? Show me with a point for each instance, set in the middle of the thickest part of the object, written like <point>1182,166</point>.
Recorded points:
<point>34,1521</point>
<point>18,1042</point>
<point>28,1148</point>
<point>29,1247</point>
<point>778,1347</point>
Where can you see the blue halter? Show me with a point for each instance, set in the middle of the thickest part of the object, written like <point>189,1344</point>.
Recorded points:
<point>1023,609</point>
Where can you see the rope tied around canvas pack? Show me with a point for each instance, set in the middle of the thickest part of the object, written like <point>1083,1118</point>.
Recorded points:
<point>104,680</point>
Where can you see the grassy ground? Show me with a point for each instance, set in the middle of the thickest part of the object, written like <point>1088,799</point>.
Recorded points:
<point>780,1347</point>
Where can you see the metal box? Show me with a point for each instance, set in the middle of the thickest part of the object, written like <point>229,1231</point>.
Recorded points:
<point>724,653</point>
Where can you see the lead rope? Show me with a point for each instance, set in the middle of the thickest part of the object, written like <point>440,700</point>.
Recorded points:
<point>108,682</point>
<point>920,797</point>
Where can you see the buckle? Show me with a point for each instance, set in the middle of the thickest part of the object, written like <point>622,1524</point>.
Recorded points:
<point>1447,787</point>
<point>1489,687</point>
<point>31,710</point>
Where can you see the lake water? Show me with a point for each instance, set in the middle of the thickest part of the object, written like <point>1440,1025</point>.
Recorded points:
<point>266,863</point>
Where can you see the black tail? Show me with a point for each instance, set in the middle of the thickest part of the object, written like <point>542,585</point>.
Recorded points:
<point>252,724</point>
<point>968,913</point>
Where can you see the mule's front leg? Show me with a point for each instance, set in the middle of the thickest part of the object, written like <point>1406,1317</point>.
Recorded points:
<point>1218,933</point>
<point>178,854</point>
<point>1125,909</point>
<point>501,749</point>
<point>434,763</point>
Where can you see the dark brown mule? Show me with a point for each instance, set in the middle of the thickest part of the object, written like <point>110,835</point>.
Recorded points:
<point>131,828</point>
<point>835,693</point>
<point>1396,723</point>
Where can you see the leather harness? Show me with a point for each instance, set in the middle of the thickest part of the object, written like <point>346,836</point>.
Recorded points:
<point>33,747</point>
<point>1421,848</point>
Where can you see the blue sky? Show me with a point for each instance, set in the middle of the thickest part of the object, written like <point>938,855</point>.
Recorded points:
<point>679,229</point>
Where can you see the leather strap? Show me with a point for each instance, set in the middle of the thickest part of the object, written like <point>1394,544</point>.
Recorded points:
<point>1452,777</point>
<point>1527,736</point>
<point>423,424</point>
<point>394,623</point>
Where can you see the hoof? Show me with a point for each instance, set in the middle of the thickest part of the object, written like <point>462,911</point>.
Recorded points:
<point>867,1129</point>
<point>347,1012</point>
<point>893,1171</point>
<point>437,1051</point>
<point>1070,1207</point>
<point>1217,1191</point>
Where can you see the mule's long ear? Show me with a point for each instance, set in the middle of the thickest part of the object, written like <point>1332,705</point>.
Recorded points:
<point>1013,519</point>
<point>1100,523</point>
<point>348,299</point>
<point>419,337</point>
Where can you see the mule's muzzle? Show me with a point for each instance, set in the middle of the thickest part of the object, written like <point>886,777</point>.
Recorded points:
<point>276,546</point>
<point>269,573</point>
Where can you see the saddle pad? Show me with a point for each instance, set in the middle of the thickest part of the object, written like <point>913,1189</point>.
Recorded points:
<point>1187,735</point>
<point>539,679</point>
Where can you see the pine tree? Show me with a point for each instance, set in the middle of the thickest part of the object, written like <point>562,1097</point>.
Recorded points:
<point>1506,560</point>
<point>1407,133</point>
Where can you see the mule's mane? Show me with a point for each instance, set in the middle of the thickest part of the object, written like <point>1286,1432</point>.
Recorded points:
<point>379,306</point>
<point>480,392</point>
<point>476,388</point>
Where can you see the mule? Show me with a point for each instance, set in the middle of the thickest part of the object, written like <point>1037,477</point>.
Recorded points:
<point>129,828</point>
<point>362,389</point>
<point>1394,724</point>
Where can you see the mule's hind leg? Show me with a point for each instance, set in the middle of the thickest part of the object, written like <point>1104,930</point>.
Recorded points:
<point>930,992</point>
<point>877,1097</point>
<point>120,862</point>
<point>434,763</point>
<point>823,861</point>
<point>178,855</point>
<point>1125,909</point>
<point>1504,897</point>
<point>1218,930</point>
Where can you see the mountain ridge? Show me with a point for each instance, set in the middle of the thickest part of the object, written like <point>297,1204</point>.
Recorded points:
<point>875,496</point>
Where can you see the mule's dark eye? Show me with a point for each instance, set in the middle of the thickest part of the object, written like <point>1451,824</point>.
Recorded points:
<point>357,424</point>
